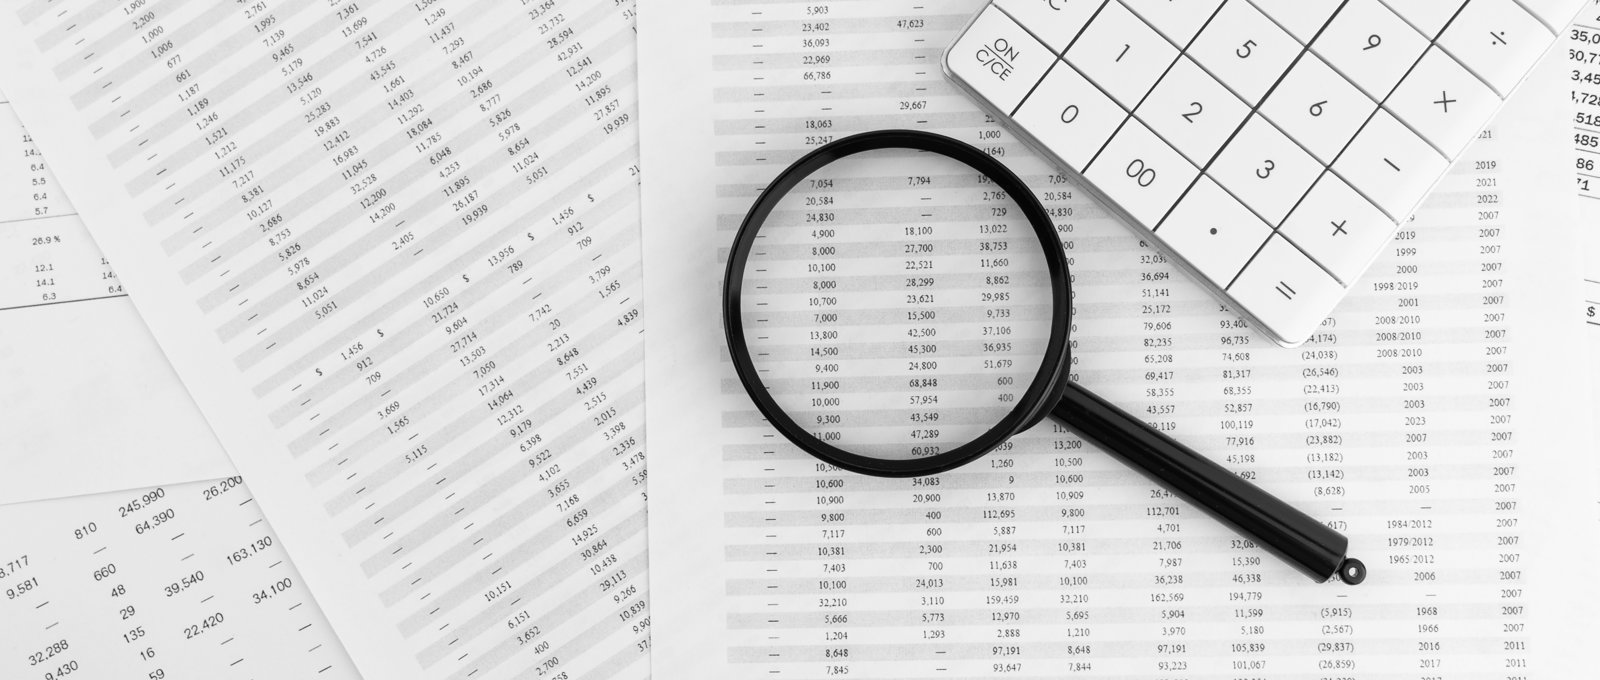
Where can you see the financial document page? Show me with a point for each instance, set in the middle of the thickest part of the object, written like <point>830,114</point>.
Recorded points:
<point>392,250</point>
<point>50,257</point>
<point>103,576</point>
<point>1428,419</point>
<point>174,581</point>
<point>72,347</point>
<point>103,573</point>
<point>1582,72</point>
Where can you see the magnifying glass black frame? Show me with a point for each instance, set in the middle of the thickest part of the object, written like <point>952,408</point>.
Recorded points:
<point>1299,539</point>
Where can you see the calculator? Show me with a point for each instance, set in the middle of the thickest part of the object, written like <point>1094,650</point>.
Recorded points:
<point>1271,147</point>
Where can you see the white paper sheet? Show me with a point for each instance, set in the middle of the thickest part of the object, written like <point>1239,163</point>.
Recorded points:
<point>392,253</point>
<point>185,579</point>
<point>174,581</point>
<point>1432,420</point>
<point>1581,69</point>
<point>73,352</point>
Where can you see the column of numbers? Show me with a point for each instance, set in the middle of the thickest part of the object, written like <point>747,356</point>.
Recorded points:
<point>1583,56</point>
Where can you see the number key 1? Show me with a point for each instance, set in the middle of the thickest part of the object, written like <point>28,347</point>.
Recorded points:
<point>1121,54</point>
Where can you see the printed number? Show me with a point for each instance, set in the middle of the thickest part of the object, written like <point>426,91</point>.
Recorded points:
<point>1070,113</point>
<point>1246,49</point>
<point>1316,109</point>
<point>1373,40</point>
<point>1197,109</point>
<point>1265,171</point>
<point>1145,176</point>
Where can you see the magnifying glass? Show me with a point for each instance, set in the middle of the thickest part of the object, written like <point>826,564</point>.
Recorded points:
<point>897,303</point>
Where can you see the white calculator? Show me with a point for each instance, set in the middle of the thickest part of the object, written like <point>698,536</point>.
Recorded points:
<point>1271,146</point>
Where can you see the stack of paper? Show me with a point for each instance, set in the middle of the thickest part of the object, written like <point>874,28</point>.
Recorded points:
<point>392,255</point>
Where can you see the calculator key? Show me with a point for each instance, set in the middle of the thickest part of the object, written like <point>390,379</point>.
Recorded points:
<point>1070,116</point>
<point>1054,22</point>
<point>1286,291</point>
<point>1318,107</point>
<point>1213,231</point>
<point>1427,16</point>
<point>1192,111</point>
<point>1141,173</point>
<point>1245,50</point>
<point>1371,46</point>
<point>1265,169</point>
<point>1121,54</point>
<point>998,60</point>
<point>1556,14</point>
<point>1301,18</point>
<point>1338,228</point>
<point>1179,20</point>
<point>1497,40</point>
<point>1390,165</point>
<point>1443,101</point>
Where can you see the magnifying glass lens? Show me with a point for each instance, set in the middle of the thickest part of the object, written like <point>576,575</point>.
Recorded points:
<point>896,304</point>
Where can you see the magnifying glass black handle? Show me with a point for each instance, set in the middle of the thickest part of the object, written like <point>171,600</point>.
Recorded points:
<point>1302,541</point>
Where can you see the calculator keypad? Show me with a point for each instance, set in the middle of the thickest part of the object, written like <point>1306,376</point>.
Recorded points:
<point>1272,145</point>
